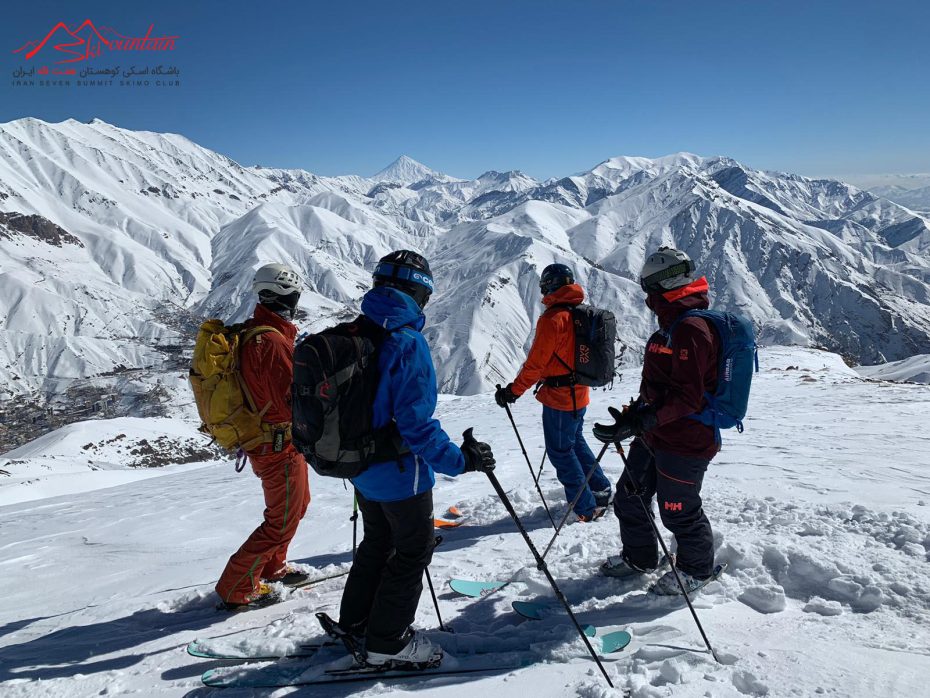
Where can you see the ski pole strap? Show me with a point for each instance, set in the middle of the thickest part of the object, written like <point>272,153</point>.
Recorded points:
<point>240,460</point>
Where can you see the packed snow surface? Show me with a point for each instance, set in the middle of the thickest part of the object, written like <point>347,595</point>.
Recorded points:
<point>820,508</point>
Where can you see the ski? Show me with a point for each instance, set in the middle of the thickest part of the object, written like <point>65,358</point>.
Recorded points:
<point>476,589</point>
<point>205,649</point>
<point>318,580</point>
<point>532,610</point>
<point>615,641</point>
<point>453,518</point>
<point>301,674</point>
<point>718,570</point>
<point>611,642</point>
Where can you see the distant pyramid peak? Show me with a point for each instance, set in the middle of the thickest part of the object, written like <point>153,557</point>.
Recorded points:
<point>405,170</point>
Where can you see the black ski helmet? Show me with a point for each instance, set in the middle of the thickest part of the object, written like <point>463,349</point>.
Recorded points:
<point>554,277</point>
<point>406,271</point>
<point>666,269</point>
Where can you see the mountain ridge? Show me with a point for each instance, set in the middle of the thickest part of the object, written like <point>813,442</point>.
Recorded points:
<point>171,231</point>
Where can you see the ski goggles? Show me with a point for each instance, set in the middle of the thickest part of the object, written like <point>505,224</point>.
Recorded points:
<point>653,282</point>
<point>401,273</point>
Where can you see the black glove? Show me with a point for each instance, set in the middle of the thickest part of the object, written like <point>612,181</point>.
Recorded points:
<point>635,419</point>
<point>478,455</point>
<point>504,396</point>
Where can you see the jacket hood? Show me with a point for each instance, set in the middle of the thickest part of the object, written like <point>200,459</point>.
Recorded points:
<point>392,309</point>
<point>265,316</point>
<point>669,305</point>
<point>571,294</point>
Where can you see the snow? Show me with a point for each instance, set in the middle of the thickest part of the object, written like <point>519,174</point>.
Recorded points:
<point>819,507</point>
<point>915,369</point>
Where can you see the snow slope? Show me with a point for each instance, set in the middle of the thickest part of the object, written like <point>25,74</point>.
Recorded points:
<point>819,507</point>
<point>113,243</point>
<point>916,369</point>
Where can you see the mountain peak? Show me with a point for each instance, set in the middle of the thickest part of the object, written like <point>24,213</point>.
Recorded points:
<point>405,170</point>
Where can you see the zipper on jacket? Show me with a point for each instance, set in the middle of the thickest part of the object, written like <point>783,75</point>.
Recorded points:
<point>416,475</point>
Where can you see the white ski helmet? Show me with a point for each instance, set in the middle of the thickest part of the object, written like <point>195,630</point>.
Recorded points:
<point>279,279</point>
<point>665,269</point>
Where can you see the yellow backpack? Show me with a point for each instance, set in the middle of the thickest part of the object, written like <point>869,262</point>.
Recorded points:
<point>226,407</point>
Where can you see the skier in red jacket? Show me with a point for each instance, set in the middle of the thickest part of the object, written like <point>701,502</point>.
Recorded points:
<point>671,452</point>
<point>267,369</point>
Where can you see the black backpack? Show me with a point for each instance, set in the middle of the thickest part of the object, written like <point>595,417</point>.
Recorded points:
<point>595,334</point>
<point>335,380</point>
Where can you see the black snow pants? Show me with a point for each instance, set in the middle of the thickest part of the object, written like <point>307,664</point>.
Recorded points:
<point>677,482</point>
<point>384,585</point>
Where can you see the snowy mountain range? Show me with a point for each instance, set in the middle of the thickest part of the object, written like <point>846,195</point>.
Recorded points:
<point>113,243</point>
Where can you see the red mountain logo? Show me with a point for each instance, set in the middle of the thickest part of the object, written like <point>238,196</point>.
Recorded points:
<point>86,41</point>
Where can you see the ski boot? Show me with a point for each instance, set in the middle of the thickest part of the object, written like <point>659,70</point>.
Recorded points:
<point>418,653</point>
<point>264,596</point>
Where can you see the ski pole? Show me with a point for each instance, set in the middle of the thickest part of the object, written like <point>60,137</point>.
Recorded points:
<point>541,464</point>
<point>541,565</point>
<point>671,560</point>
<point>354,520</point>
<point>432,591</point>
<point>571,507</point>
<point>528,464</point>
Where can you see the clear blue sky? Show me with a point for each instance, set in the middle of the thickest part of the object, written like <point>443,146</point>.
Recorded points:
<point>550,88</point>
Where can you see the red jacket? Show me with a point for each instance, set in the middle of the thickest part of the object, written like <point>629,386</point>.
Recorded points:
<point>675,378</point>
<point>555,336</point>
<point>267,363</point>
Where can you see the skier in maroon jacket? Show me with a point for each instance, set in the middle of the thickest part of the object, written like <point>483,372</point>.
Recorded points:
<point>670,454</point>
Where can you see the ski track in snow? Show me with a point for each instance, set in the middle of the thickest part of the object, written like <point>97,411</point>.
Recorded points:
<point>820,509</point>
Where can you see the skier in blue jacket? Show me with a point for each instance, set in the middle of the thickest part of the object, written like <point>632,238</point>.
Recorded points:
<point>395,497</point>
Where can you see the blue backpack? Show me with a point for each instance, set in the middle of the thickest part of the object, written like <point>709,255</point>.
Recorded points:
<point>738,356</point>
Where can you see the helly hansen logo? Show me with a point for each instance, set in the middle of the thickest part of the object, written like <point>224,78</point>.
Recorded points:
<point>584,353</point>
<point>656,348</point>
<point>682,354</point>
<point>673,506</point>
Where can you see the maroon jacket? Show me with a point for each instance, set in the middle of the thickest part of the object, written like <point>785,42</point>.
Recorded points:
<point>675,378</point>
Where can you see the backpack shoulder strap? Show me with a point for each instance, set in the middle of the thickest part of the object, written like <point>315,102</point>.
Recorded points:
<point>249,335</point>
<point>684,316</point>
<point>253,332</point>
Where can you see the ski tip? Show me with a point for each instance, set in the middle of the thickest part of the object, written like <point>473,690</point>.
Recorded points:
<point>615,641</point>
<point>529,609</point>
<point>454,511</point>
<point>590,630</point>
<point>474,589</point>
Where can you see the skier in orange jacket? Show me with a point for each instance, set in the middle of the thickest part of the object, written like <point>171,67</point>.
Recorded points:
<point>267,370</point>
<point>552,355</point>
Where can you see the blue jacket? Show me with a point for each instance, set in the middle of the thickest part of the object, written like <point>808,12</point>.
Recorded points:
<point>407,394</point>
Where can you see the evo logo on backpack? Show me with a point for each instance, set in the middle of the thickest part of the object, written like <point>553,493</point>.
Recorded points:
<point>739,355</point>
<point>335,380</point>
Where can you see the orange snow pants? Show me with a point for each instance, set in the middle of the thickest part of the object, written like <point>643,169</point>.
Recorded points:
<point>263,555</point>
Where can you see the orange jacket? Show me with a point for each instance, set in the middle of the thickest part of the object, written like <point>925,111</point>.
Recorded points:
<point>555,336</point>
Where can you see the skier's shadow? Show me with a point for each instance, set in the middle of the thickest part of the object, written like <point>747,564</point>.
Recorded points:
<point>74,645</point>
